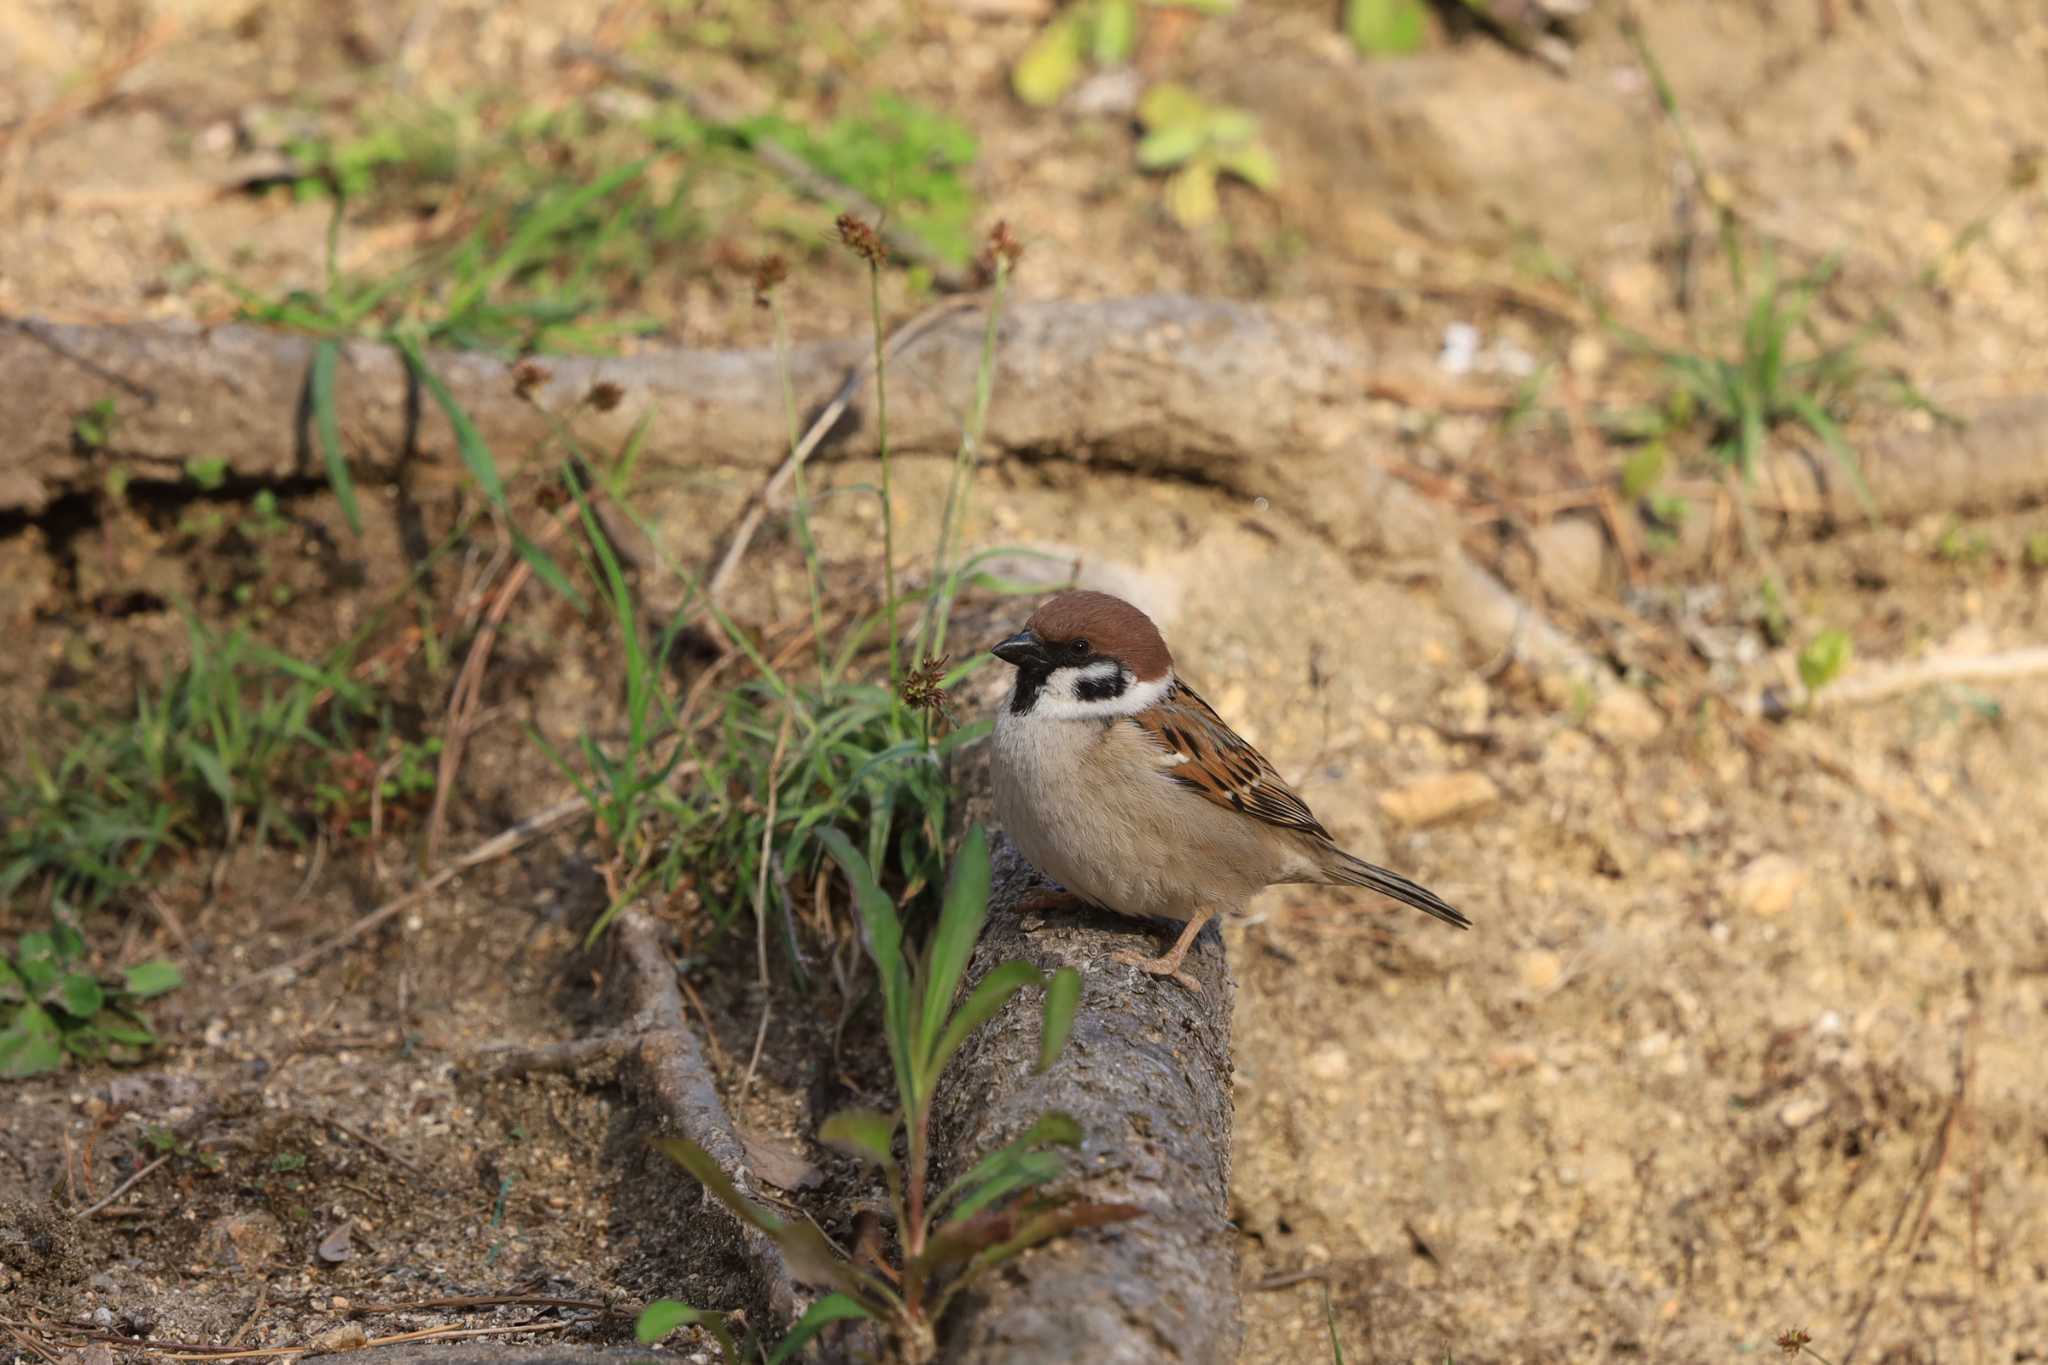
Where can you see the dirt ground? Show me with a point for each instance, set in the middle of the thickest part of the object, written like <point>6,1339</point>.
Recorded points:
<point>1749,1035</point>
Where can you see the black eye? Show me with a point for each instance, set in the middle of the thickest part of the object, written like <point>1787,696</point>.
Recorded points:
<point>1079,649</point>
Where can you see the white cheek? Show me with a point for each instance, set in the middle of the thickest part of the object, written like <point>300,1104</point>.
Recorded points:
<point>1059,699</point>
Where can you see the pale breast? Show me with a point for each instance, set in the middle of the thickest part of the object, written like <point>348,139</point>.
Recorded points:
<point>1091,805</point>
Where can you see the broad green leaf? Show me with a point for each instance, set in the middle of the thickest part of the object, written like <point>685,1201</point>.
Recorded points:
<point>1053,1129</point>
<point>80,995</point>
<point>885,945</point>
<point>810,1256</point>
<point>1062,998</point>
<point>1385,28</point>
<point>1191,194</point>
<point>990,994</point>
<point>1016,1171</point>
<point>661,1317</point>
<point>1051,65</point>
<point>117,1028</point>
<point>960,920</point>
<point>1252,163</point>
<point>1171,105</point>
<point>1231,126</point>
<point>31,1045</point>
<point>1116,31</point>
<point>1170,146</point>
<point>1643,469</point>
<point>862,1133</point>
<point>831,1308</point>
<point>147,979</point>
<point>12,987</point>
<point>35,958</point>
<point>1823,659</point>
<point>712,1177</point>
<point>320,394</point>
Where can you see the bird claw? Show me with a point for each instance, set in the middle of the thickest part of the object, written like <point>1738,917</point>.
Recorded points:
<point>1157,966</point>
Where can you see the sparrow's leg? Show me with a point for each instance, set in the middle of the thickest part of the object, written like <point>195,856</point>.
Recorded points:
<point>1170,964</point>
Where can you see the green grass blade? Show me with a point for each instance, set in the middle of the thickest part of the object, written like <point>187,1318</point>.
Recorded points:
<point>960,919</point>
<point>990,994</point>
<point>1062,998</point>
<point>831,1308</point>
<point>328,426</point>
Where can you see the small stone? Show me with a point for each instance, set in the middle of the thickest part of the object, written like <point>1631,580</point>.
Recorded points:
<point>1797,1113</point>
<point>1571,555</point>
<point>1625,716</point>
<point>244,1241</point>
<point>1539,970</point>
<point>1768,885</point>
<point>1329,1063</point>
<point>1427,800</point>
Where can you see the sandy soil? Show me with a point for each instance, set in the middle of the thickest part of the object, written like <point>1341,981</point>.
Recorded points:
<point>1748,1034</point>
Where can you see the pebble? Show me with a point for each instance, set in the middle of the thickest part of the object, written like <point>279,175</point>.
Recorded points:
<point>1539,970</point>
<point>1427,800</point>
<point>1797,1113</point>
<point>1768,885</point>
<point>1329,1063</point>
<point>1625,716</point>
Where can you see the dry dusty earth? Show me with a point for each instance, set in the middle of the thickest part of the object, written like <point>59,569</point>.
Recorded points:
<point>1751,1031</point>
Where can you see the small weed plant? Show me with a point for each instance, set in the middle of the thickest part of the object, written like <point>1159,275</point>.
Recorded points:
<point>52,1006</point>
<point>945,1241</point>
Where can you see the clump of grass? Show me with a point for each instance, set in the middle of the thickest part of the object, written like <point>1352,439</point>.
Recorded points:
<point>793,749</point>
<point>945,1241</point>
<point>219,751</point>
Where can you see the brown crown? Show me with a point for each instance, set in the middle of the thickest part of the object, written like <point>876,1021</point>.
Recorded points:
<point>1110,625</point>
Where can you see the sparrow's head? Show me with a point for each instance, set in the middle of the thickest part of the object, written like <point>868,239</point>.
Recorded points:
<point>1087,655</point>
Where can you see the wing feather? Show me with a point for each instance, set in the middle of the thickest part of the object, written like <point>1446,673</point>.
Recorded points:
<point>1203,754</point>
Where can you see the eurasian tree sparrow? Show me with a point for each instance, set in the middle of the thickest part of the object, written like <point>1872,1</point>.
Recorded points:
<point>1121,784</point>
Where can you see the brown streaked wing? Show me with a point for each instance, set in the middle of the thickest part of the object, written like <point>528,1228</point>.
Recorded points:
<point>1219,764</point>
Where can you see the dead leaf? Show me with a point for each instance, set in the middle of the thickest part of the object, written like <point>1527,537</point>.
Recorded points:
<point>335,1247</point>
<point>777,1160</point>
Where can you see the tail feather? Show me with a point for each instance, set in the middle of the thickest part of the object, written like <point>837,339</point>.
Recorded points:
<point>1358,872</point>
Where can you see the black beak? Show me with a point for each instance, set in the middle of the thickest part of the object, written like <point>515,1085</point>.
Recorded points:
<point>1023,650</point>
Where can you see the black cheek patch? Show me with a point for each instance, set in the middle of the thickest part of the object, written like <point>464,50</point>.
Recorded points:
<point>1102,689</point>
<point>1030,682</point>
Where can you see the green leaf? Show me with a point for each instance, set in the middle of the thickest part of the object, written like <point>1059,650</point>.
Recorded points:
<point>476,454</point>
<point>810,1256</point>
<point>12,987</point>
<point>35,957</point>
<point>1015,1171</point>
<point>1823,659</point>
<point>80,995</point>
<point>990,994</point>
<point>326,422</point>
<point>1171,105</point>
<point>831,1308</point>
<point>1252,163</point>
<point>1191,194</point>
<point>712,1176</point>
<point>884,939</point>
<point>1116,31</point>
<point>1643,469</point>
<point>960,920</point>
<point>863,1133</point>
<point>1062,998</point>
<point>147,979</point>
<point>116,1028</point>
<point>1052,1129</point>
<point>1385,28</point>
<point>31,1045</point>
<point>1051,65</point>
<point>663,1316</point>
<point>1170,146</point>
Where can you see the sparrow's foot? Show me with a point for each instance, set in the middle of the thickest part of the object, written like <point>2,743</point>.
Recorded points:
<point>1170,964</point>
<point>1159,966</point>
